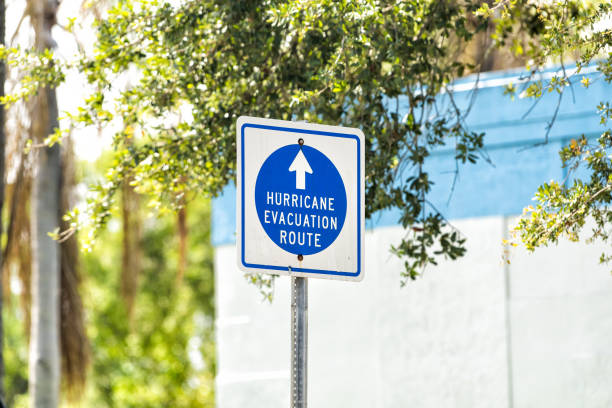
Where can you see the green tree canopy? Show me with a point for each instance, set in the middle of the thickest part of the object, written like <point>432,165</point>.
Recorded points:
<point>332,62</point>
<point>194,68</point>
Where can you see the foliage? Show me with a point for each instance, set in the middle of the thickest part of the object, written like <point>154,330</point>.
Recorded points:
<point>174,79</point>
<point>15,352</point>
<point>201,64</point>
<point>165,357</point>
<point>560,30</point>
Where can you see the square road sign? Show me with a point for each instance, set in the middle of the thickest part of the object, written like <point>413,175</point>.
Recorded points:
<point>300,199</point>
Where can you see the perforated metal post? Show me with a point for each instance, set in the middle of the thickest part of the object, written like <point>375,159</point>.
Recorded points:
<point>299,341</point>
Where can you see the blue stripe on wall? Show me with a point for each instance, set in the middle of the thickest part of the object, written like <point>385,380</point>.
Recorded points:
<point>517,167</point>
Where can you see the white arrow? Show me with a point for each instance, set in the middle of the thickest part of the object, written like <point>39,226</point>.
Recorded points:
<point>301,167</point>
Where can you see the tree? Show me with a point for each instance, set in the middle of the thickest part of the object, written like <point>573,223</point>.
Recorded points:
<point>203,63</point>
<point>337,62</point>
<point>45,339</point>
<point>165,355</point>
<point>558,32</point>
<point>16,253</point>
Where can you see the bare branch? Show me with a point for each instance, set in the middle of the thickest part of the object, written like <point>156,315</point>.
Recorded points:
<point>26,12</point>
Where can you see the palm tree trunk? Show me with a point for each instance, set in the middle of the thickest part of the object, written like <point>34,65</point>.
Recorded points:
<point>44,341</point>
<point>132,254</point>
<point>45,338</point>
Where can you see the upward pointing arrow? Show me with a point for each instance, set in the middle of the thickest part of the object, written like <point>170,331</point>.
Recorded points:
<point>301,167</point>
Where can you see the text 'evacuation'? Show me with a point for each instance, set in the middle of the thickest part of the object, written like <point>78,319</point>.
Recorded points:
<point>303,215</point>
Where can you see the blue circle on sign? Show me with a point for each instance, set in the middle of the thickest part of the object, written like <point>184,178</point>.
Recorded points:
<point>300,199</point>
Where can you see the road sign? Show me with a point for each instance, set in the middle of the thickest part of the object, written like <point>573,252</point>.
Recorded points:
<point>300,199</point>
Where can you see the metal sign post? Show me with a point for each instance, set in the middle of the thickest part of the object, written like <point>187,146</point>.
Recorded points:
<point>300,191</point>
<point>299,341</point>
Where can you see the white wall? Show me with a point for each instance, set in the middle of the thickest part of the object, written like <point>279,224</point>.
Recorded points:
<point>472,333</point>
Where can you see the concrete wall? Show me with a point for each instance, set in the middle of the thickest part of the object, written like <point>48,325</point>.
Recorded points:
<point>477,332</point>
<point>471,333</point>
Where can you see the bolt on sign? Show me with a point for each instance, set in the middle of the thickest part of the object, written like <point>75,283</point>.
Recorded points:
<point>300,199</point>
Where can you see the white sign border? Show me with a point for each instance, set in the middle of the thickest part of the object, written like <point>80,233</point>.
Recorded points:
<point>305,128</point>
